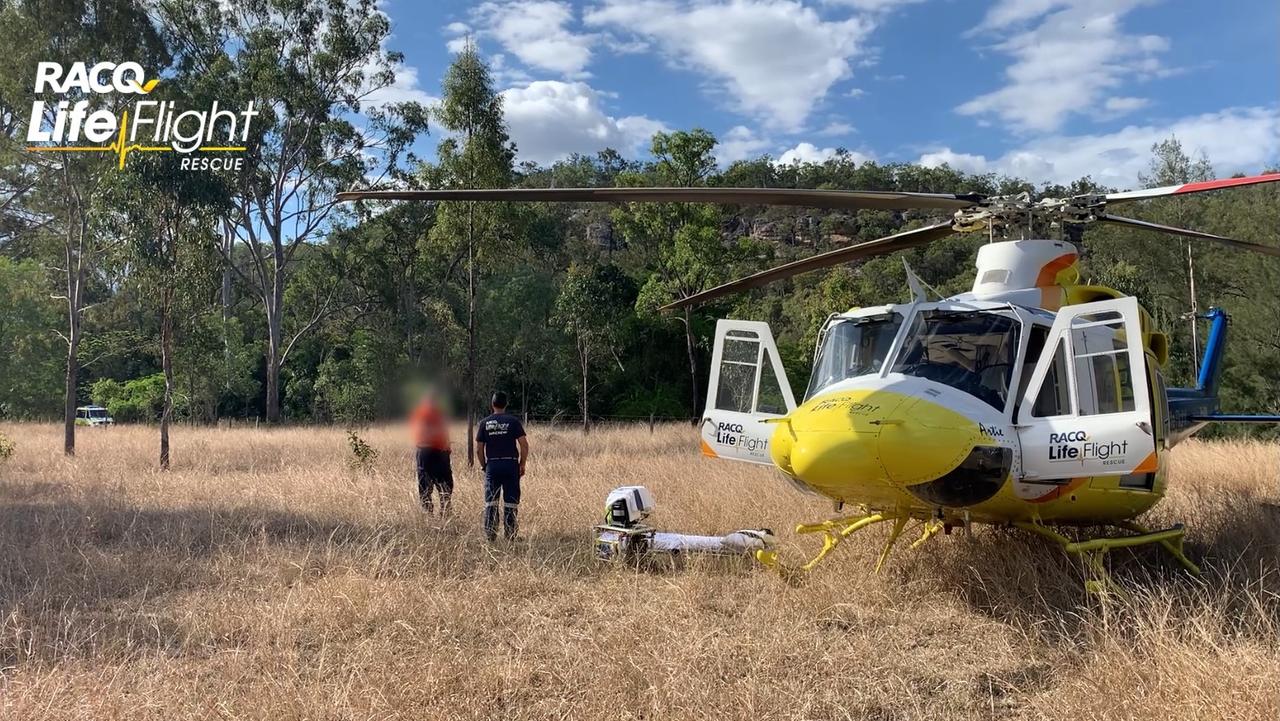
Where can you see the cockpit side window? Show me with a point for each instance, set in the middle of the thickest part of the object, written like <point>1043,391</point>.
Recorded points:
<point>972,351</point>
<point>853,347</point>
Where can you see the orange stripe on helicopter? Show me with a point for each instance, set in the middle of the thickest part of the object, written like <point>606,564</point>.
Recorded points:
<point>1049,273</point>
<point>1150,464</point>
<point>706,449</point>
<point>1057,492</point>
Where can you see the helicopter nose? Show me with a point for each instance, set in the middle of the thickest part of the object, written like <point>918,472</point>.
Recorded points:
<point>873,445</point>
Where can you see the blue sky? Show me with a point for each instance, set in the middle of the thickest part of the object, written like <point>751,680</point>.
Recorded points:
<point>1046,89</point>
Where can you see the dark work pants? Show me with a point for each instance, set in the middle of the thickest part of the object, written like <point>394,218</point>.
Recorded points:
<point>434,472</point>
<point>501,480</point>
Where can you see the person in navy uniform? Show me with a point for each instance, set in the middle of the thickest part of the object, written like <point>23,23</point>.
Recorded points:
<point>502,449</point>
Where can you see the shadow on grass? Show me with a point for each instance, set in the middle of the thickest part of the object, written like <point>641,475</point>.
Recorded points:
<point>1014,577</point>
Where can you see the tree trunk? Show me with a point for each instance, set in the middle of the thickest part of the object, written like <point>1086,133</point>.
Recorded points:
<point>228,248</point>
<point>585,358</point>
<point>275,344</point>
<point>471,338</point>
<point>166,364</point>
<point>693,361</point>
<point>74,259</point>
<point>72,380</point>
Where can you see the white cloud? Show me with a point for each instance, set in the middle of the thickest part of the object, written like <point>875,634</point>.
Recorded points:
<point>1120,105</point>
<point>549,119</point>
<point>805,153</point>
<point>537,32</point>
<point>773,59</point>
<point>1235,140</point>
<point>836,129</point>
<point>740,143</point>
<point>810,153</point>
<point>873,5</point>
<point>1069,56</point>
<point>404,89</point>
<point>960,161</point>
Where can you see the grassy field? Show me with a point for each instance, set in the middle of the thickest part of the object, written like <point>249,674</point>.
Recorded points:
<point>265,579</point>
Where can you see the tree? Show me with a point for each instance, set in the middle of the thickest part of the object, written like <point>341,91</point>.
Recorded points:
<point>56,192</point>
<point>1170,165</point>
<point>478,155</point>
<point>30,359</point>
<point>590,306</point>
<point>684,238</point>
<point>310,67</point>
<point>169,220</point>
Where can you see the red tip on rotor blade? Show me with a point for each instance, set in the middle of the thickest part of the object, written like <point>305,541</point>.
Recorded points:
<point>1193,187</point>
<point>1228,182</point>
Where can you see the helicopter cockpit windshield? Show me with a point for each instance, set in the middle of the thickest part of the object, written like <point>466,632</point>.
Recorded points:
<point>972,351</point>
<point>854,347</point>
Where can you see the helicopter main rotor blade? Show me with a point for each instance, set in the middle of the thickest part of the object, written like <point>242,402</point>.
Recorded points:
<point>881,246</point>
<point>1241,244</point>
<point>832,199</point>
<point>1130,195</point>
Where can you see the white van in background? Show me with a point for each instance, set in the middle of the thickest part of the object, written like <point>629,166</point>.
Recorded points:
<point>93,416</point>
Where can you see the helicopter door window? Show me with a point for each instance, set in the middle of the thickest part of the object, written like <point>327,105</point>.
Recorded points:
<point>1054,398</point>
<point>738,368</point>
<point>971,351</point>
<point>1037,336</point>
<point>854,347</point>
<point>1104,380</point>
<point>770,398</point>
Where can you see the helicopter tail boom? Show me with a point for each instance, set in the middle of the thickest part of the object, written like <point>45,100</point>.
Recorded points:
<point>1190,409</point>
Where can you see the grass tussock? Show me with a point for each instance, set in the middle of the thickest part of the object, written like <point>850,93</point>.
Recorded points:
<point>266,577</point>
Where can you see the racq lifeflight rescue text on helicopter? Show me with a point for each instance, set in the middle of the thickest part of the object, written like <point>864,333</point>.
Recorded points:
<point>1032,400</point>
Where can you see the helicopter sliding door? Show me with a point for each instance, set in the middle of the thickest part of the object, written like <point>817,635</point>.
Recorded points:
<point>1086,411</point>
<point>747,387</point>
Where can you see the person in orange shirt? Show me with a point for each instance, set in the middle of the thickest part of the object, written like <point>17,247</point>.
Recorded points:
<point>430,428</point>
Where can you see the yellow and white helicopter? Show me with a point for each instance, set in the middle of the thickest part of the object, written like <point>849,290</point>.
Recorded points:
<point>1032,400</point>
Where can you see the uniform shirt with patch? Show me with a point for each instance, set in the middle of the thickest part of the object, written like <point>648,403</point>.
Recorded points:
<point>498,433</point>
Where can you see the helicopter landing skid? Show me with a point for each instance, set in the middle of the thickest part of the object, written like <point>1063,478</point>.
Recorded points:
<point>836,530</point>
<point>1094,550</point>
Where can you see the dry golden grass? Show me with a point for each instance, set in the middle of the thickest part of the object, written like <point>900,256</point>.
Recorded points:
<point>263,579</point>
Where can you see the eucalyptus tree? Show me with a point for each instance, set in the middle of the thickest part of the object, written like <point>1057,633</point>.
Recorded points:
<point>51,199</point>
<point>168,222</point>
<point>314,70</point>
<point>589,308</point>
<point>679,245</point>
<point>477,153</point>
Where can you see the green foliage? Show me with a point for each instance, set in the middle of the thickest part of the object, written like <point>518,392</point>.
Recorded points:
<point>363,455</point>
<point>639,404</point>
<point>31,354</point>
<point>353,383</point>
<point>555,303</point>
<point>136,401</point>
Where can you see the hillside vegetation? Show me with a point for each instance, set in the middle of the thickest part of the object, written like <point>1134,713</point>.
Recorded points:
<point>170,295</point>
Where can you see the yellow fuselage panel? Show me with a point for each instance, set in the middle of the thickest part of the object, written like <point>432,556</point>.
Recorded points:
<point>868,446</point>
